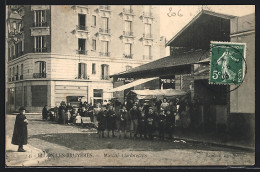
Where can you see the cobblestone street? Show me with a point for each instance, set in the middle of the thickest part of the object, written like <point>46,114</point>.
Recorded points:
<point>73,146</point>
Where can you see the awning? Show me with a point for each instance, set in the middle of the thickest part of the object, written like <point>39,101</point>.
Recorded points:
<point>132,84</point>
<point>175,64</point>
<point>147,94</point>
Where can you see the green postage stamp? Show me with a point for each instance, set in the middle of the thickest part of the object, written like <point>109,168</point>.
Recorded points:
<point>227,63</point>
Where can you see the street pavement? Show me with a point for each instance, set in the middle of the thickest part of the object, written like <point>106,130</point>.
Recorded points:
<point>52,144</point>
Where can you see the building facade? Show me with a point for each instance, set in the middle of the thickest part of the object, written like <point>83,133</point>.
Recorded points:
<point>70,50</point>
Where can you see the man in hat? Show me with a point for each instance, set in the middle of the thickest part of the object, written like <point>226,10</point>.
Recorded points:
<point>20,133</point>
<point>111,121</point>
<point>44,113</point>
<point>134,115</point>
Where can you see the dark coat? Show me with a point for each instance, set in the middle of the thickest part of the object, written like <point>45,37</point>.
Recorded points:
<point>111,120</point>
<point>44,113</point>
<point>122,120</point>
<point>20,133</point>
<point>101,118</point>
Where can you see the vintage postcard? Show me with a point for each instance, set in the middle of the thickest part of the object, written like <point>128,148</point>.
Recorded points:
<point>130,85</point>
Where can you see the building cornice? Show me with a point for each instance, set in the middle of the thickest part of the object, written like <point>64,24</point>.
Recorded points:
<point>75,57</point>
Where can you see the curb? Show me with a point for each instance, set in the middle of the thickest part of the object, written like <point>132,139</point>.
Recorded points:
<point>218,144</point>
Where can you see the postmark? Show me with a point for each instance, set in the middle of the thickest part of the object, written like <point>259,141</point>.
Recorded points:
<point>227,63</point>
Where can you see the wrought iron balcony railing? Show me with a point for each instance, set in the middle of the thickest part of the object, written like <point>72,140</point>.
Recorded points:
<point>80,27</point>
<point>104,54</point>
<point>40,24</point>
<point>148,35</point>
<point>101,30</point>
<point>104,77</point>
<point>147,57</point>
<point>128,11</point>
<point>104,7</point>
<point>82,52</point>
<point>127,33</point>
<point>40,50</point>
<point>39,75</point>
<point>129,56</point>
<point>148,14</point>
<point>82,76</point>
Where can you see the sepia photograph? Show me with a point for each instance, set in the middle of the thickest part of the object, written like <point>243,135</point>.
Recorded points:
<point>129,85</point>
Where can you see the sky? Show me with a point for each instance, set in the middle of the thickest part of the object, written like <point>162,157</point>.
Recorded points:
<point>174,17</point>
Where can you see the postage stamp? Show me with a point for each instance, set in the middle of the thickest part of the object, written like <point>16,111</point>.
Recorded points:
<point>227,63</point>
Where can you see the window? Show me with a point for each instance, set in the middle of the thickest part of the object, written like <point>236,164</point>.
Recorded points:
<point>21,76</point>
<point>94,21</point>
<point>13,74</point>
<point>82,22</point>
<point>40,44</point>
<point>128,28</point>
<point>94,44</point>
<point>39,69</point>
<point>128,9</point>
<point>147,52</point>
<point>147,30</point>
<point>105,48</point>
<point>17,73</point>
<point>40,18</point>
<point>128,67</point>
<point>93,68</point>
<point>128,50</point>
<point>105,24</point>
<point>97,95</point>
<point>104,72</point>
<point>22,45</point>
<point>81,46</point>
<point>19,48</point>
<point>82,70</point>
<point>10,75</point>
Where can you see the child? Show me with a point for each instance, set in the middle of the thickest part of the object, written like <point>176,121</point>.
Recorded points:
<point>78,119</point>
<point>142,123</point>
<point>150,122</point>
<point>122,121</point>
<point>161,124</point>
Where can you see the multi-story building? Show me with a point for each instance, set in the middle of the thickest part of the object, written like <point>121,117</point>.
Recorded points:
<point>70,50</point>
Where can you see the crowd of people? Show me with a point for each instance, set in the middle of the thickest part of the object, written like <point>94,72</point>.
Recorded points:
<point>142,119</point>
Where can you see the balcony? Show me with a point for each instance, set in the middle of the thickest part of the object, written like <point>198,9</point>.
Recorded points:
<point>104,77</point>
<point>82,52</point>
<point>40,50</point>
<point>148,36</point>
<point>107,54</point>
<point>129,56</point>
<point>21,77</point>
<point>82,76</point>
<point>40,24</point>
<point>84,28</point>
<point>39,75</point>
<point>125,33</point>
<point>127,11</point>
<point>104,8</point>
<point>105,31</point>
<point>147,57</point>
<point>147,14</point>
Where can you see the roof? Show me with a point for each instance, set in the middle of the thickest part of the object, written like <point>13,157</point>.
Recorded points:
<point>199,15</point>
<point>181,59</point>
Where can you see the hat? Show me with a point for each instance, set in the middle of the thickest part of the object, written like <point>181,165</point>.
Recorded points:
<point>150,107</point>
<point>22,108</point>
